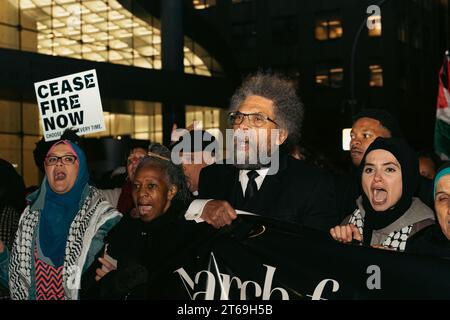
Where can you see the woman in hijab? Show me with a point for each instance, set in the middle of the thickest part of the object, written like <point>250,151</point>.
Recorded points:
<point>387,213</point>
<point>435,240</point>
<point>60,231</point>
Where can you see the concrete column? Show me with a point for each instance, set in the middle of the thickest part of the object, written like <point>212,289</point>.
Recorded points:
<point>172,60</point>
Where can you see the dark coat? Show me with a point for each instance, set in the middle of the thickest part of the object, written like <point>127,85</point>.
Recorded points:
<point>297,193</point>
<point>144,252</point>
<point>430,241</point>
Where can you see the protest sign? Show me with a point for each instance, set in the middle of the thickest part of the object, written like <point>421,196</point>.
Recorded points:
<point>71,101</point>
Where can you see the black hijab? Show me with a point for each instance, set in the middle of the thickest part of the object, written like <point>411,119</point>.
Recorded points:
<point>375,220</point>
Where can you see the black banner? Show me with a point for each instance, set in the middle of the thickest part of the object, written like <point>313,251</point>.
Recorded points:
<point>262,259</point>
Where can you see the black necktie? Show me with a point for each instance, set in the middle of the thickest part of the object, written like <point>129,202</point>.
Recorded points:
<point>252,188</point>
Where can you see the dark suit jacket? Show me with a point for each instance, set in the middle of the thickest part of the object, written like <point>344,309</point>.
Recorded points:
<point>298,193</point>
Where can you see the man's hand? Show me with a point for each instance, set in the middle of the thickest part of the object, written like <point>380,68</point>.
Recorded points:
<point>218,213</point>
<point>346,234</point>
<point>2,247</point>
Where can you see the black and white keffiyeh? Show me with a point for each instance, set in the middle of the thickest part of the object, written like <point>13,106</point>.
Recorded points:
<point>94,212</point>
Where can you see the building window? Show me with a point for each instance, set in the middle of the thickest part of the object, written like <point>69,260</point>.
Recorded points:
<point>205,118</point>
<point>100,30</point>
<point>212,120</point>
<point>330,77</point>
<point>19,131</point>
<point>376,75</point>
<point>374,26</point>
<point>198,61</point>
<point>203,4</point>
<point>328,28</point>
<point>143,121</point>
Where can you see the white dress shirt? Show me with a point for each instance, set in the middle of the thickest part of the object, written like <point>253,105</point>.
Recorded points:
<point>195,210</point>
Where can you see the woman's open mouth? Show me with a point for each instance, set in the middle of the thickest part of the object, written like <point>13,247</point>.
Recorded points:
<point>144,209</point>
<point>379,196</point>
<point>59,176</point>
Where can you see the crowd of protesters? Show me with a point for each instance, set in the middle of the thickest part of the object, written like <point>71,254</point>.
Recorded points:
<point>393,199</point>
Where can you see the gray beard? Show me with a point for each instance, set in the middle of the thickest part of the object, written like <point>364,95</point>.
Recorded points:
<point>249,166</point>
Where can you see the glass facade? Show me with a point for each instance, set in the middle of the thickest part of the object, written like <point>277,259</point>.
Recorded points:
<point>212,120</point>
<point>19,131</point>
<point>136,119</point>
<point>104,30</point>
<point>97,30</point>
<point>207,118</point>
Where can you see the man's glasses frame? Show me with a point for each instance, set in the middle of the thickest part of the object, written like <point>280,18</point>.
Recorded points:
<point>255,119</point>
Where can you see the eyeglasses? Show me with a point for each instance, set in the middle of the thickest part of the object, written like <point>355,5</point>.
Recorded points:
<point>66,159</point>
<point>255,119</point>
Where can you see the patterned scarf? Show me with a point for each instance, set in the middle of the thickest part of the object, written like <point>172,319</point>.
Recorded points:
<point>94,212</point>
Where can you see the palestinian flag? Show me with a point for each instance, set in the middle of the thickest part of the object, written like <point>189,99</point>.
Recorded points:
<point>442,128</point>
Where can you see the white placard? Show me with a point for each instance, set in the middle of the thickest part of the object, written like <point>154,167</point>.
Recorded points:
<point>71,101</point>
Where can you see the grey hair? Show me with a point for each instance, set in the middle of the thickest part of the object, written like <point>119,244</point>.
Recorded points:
<point>288,108</point>
<point>159,156</point>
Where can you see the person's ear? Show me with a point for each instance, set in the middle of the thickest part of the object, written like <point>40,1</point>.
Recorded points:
<point>282,136</point>
<point>172,192</point>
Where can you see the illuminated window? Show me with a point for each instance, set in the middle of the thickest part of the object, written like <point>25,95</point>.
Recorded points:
<point>98,30</point>
<point>18,137</point>
<point>144,122</point>
<point>328,28</point>
<point>376,76</point>
<point>203,4</point>
<point>330,77</point>
<point>205,118</point>
<point>374,26</point>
